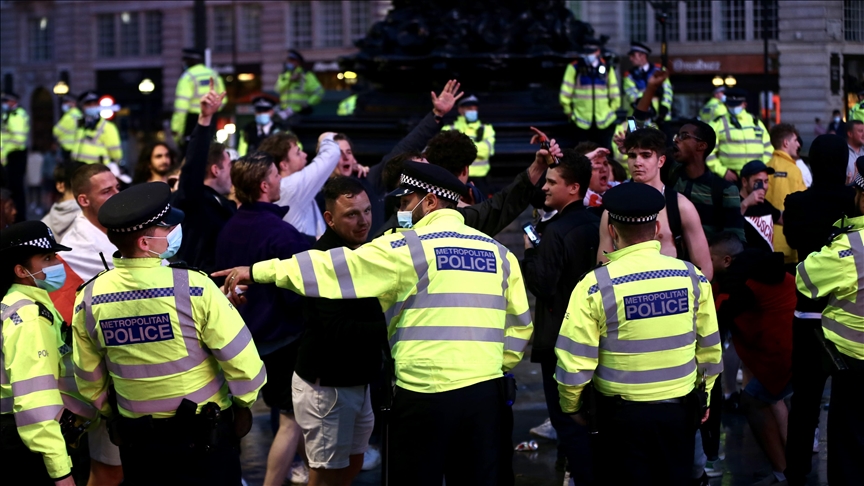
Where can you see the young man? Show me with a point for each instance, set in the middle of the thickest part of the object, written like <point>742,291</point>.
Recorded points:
<point>787,178</point>
<point>273,316</point>
<point>155,164</point>
<point>760,214</point>
<point>644,148</point>
<point>63,212</point>
<point>716,200</point>
<point>855,141</point>
<point>340,353</point>
<point>551,270</point>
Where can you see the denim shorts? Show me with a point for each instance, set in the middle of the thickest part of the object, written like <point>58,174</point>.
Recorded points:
<point>755,389</point>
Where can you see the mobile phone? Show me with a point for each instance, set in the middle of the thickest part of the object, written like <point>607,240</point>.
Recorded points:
<point>533,237</point>
<point>631,124</point>
<point>758,185</point>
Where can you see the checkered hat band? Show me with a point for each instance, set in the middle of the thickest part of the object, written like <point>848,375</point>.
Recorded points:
<point>638,49</point>
<point>633,219</point>
<point>38,243</point>
<point>438,191</point>
<point>144,224</point>
<point>859,181</point>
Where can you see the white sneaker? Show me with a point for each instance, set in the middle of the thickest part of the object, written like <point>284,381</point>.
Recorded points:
<point>371,459</point>
<point>816,441</point>
<point>545,430</point>
<point>299,473</point>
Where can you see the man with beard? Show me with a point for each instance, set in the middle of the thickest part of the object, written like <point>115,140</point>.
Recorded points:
<point>154,164</point>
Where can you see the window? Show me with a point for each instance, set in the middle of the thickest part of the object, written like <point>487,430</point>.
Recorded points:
<point>153,33</point>
<point>330,24</point>
<point>853,20</point>
<point>575,7</point>
<point>769,7</point>
<point>301,25</point>
<point>732,15</point>
<point>673,30</point>
<point>250,23</point>
<point>635,17</point>
<point>130,34</point>
<point>223,29</point>
<point>360,20</point>
<point>698,20</point>
<point>41,46</point>
<point>106,36</point>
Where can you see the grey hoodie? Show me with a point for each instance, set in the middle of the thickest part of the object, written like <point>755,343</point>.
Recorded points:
<point>61,216</point>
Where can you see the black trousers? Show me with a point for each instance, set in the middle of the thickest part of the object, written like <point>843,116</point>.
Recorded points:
<point>808,383</point>
<point>451,435</point>
<point>600,136</point>
<point>846,425</point>
<point>16,169</point>
<point>644,443</point>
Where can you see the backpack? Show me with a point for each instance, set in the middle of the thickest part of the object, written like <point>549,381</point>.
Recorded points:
<point>673,213</point>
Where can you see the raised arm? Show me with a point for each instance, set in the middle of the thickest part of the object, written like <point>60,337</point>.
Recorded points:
<point>192,177</point>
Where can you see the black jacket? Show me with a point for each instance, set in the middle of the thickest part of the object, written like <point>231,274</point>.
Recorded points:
<point>206,210</point>
<point>253,138</point>
<point>567,250</point>
<point>345,340</point>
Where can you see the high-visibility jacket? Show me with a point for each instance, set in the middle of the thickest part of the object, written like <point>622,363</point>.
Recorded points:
<point>37,375</point>
<point>642,326</point>
<point>65,129</point>
<point>299,93</point>
<point>590,94</point>
<point>739,140</point>
<point>635,82</point>
<point>483,136</point>
<point>14,129</point>
<point>713,110</point>
<point>347,106</point>
<point>786,179</point>
<point>162,334</point>
<point>856,112</point>
<point>100,144</point>
<point>192,85</point>
<point>837,272</point>
<point>453,298</point>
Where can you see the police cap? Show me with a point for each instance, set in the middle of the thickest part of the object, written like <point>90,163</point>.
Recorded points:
<point>190,53</point>
<point>735,96</point>
<point>68,97</point>
<point>293,54</point>
<point>858,182</point>
<point>88,96</point>
<point>639,47</point>
<point>755,167</point>
<point>428,178</point>
<point>9,96</point>
<point>262,104</point>
<point>633,203</point>
<point>590,45</point>
<point>141,206</point>
<point>469,101</point>
<point>28,237</point>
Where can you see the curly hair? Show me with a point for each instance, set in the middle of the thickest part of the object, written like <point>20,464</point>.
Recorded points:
<point>451,150</point>
<point>142,168</point>
<point>392,171</point>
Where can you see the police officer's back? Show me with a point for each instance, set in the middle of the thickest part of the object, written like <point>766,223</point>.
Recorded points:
<point>192,85</point>
<point>741,137</point>
<point>179,356</point>
<point>642,329</point>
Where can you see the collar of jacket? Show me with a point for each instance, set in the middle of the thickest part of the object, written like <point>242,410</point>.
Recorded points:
<point>329,240</point>
<point>35,293</point>
<point>857,223</point>
<point>570,208</point>
<point>783,156</point>
<point>652,246</point>
<point>461,120</point>
<point>147,262</point>
<point>259,206</point>
<point>441,216</point>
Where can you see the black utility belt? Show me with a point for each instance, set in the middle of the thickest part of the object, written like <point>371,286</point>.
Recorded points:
<point>618,401</point>
<point>206,429</point>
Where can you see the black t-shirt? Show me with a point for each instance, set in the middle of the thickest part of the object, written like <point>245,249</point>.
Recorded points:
<point>759,226</point>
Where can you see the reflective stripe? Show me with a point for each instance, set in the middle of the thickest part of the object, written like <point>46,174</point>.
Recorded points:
<point>418,259</point>
<point>712,339</point>
<point>854,308</point>
<point>435,301</point>
<point>694,282</point>
<point>35,384</point>
<point>610,303</point>
<point>726,129</point>
<point>523,319</point>
<point>232,349</point>
<point>7,404</point>
<point>36,415</point>
<point>78,407</point>
<point>842,330</point>
<point>89,320</point>
<point>650,345</point>
<point>8,311</point>
<point>710,369</point>
<point>808,315</point>
<point>575,379</point>
<point>100,400</point>
<point>646,376</point>
<point>564,343</point>
<point>857,246</point>
<point>802,272</point>
<point>95,375</point>
<point>514,344</point>
<point>447,333</point>
<point>307,271</point>
<point>727,155</point>
<point>170,404</point>
<point>66,384</point>
<point>569,84</point>
<point>343,273</point>
<point>248,386</point>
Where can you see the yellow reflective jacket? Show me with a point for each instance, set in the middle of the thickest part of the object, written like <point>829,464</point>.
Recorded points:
<point>454,299</point>
<point>856,112</point>
<point>66,128</point>
<point>14,129</point>
<point>299,93</point>
<point>161,335</point>
<point>786,179</point>
<point>483,136</point>
<point>192,85</point>
<point>838,273</point>
<point>739,140</point>
<point>347,106</point>
<point>37,375</point>
<point>634,87</point>
<point>98,144</point>
<point>642,326</point>
<point>590,94</point>
<point>713,110</point>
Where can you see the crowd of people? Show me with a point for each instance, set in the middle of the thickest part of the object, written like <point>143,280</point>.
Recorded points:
<point>142,317</point>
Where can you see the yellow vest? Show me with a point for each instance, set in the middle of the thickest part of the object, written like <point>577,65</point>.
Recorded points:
<point>484,142</point>
<point>857,112</point>
<point>347,106</point>
<point>14,129</point>
<point>300,93</point>
<point>192,85</point>
<point>633,94</point>
<point>713,110</point>
<point>66,128</point>
<point>737,145</point>
<point>100,144</point>
<point>590,95</point>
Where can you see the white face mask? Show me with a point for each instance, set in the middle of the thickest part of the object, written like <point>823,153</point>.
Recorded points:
<point>591,58</point>
<point>836,119</point>
<point>406,218</point>
<point>737,110</point>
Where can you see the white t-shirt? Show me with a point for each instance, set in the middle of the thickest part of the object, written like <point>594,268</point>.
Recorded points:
<point>298,190</point>
<point>86,241</point>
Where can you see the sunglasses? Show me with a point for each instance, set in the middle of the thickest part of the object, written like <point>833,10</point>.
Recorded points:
<point>686,136</point>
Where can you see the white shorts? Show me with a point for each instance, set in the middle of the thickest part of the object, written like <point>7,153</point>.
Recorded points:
<point>336,421</point>
<point>101,447</point>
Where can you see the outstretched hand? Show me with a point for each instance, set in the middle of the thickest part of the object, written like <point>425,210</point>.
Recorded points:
<point>443,103</point>
<point>235,278</point>
<point>211,101</point>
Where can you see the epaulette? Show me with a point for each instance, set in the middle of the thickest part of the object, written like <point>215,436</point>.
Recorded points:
<point>81,287</point>
<point>186,266</point>
<point>44,312</point>
<point>718,118</point>
<point>599,264</point>
<point>839,232</point>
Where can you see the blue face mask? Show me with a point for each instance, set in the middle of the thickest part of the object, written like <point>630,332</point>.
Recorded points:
<point>723,98</point>
<point>92,111</point>
<point>65,108</point>
<point>737,110</point>
<point>5,108</point>
<point>55,277</point>
<point>175,238</point>
<point>591,58</point>
<point>471,116</point>
<point>406,218</point>
<point>289,66</point>
<point>262,118</point>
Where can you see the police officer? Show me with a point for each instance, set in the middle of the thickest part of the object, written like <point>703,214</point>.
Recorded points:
<point>741,137</point>
<point>97,140</point>
<point>299,90</point>
<point>642,329</point>
<point>857,110</point>
<point>179,356</point>
<point>457,317</point>
<point>636,80</point>
<point>715,107</point>
<point>837,272</point>
<point>264,125</point>
<point>482,134</point>
<point>192,85</point>
<point>14,130</point>
<point>590,95</point>
<point>38,385</point>
<point>64,130</point>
